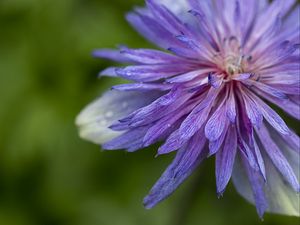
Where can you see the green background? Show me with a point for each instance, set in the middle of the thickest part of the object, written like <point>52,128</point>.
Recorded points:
<point>48,176</point>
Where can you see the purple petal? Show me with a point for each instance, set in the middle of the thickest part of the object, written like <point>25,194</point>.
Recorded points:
<point>111,54</point>
<point>253,111</point>
<point>149,56</point>
<point>109,72</point>
<point>214,80</point>
<point>259,159</point>
<point>271,116</point>
<point>287,105</point>
<point>231,106</point>
<point>258,190</point>
<point>146,28</point>
<point>225,160</point>
<point>266,88</point>
<point>185,162</point>
<point>189,76</point>
<point>216,123</point>
<point>166,17</point>
<point>131,140</point>
<point>148,73</point>
<point>172,143</point>
<point>142,87</point>
<point>242,76</point>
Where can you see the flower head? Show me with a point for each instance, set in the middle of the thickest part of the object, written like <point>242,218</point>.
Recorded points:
<point>207,93</point>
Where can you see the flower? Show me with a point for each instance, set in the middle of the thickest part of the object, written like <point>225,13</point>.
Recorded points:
<point>207,93</point>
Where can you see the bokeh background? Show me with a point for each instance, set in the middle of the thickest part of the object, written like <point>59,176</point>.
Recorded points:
<point>48,176</point>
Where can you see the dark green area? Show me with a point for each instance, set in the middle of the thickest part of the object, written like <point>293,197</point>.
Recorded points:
<point>48,176</point>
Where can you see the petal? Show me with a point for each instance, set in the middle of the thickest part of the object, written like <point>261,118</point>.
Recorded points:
<point>281,198</point>
<point>206,14</point>
<point>185,162</point>
<point>199,51</point>
<point>231,106</point>
<point>172,143</point>
<point>160,32</point>
<point>138,24</point>
<point>258,190</point>
<point>178,7</point>
<point>111,54</point>
<point>214,146</point>
<point>266,19</point>
<point>214,80</point>
<point>242,76</point>
<point>259,159</point>
<point>249,185</point>
<point>225,160</point>
<point>132,140</point>
<point>216,123</point>
<point>146,73</point>
<point>292,141</point>
<point>287,105</point>
<point>94,120</point>
<point>265,88</point>
<point>278,159</point>
<point>253,111</point>
<point>271,116</point>
<point>149,56</point>
<point>201,73</point>
<point>142,87</point>
<point>204,30</point>
<point>166,17</point>
<point>108,72</point>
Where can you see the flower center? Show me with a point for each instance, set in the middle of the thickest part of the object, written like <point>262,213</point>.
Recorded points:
<point>234,60</point>
<point>234,65</point>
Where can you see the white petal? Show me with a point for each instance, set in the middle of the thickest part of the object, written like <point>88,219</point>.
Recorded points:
<point>94,120</point>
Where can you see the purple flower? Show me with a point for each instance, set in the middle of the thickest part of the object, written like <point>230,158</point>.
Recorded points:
<point>207,93</point>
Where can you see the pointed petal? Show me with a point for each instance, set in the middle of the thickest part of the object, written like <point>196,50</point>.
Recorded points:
<point>147,73</point>
<point>111,54</point>
<point>172,143</point>
<point>142,87</point>
<point>225,160</point>
<point>271,116</point>
<point>131,140</point>
<point>231,106</point>
<point>249,185</point>
<point>185,162</point>
<point>149,56</point>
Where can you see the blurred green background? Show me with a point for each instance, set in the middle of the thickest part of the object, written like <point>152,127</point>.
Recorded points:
<point>48,176</point>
